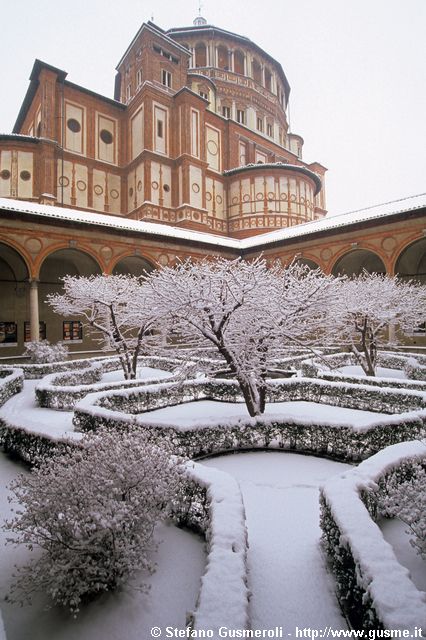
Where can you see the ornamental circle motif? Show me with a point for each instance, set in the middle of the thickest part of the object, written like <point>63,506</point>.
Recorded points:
<point>139,187</point>
<point>63,181</point>
<point>326,254</point>
<point>33,245</point>
<point>212,147</point>
<point>208,196</point>
<point>235,200</point>
<point>154,184</point>
<point>131,191</point>
<point>81,185</point>
<point>259,196</point>
<point>98,189</point>
<point>219,199</point>
<point>163,259</point>
<point>246,197</point>
<point>25,175</point>
<point>389,243</point>
<point>283,196</point>
<point>195,187</point>
<point>114,194</point>
<point>271,195</point>
<point>5,174</point>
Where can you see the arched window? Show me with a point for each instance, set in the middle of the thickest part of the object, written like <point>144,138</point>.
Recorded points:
<point>200,55</point>
<point>256,71</point>
<point>239,62</point>
<point>222,57</point>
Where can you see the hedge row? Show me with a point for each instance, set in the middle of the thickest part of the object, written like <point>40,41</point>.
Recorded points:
<point>119,410</point>
<point>374,590</point>
<point>11,382</point>
<point>63,391</point>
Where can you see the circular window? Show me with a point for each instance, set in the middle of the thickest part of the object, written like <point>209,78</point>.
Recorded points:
<point>73,125</point>
<point>63,181</point>
<point>25,175</point>
<point>106,136</point>
<point>5,174</point>
<point>166,188</point>
<point>98,189</point>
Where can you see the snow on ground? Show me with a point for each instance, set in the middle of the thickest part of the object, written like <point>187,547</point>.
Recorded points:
<point>126,614</point>
<point>142,374</point>
<point>287,574</point>
<point>22,410</point>
<point>381,372</point>
<point>192,414</point>
<point>394,532</point>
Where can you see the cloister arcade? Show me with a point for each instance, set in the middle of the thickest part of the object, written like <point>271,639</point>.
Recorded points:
<point>25,285</point>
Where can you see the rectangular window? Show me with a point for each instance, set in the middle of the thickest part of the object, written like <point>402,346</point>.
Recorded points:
<point>159,128</point>
<point>243,154</point>
<point>259,124</point>
<point>139,78</point>
<point>269,130</point>
<point>72,331</point>
<point>166,78</point>
<point>8,334</point>
<point>41,331</point>
<point>226,112</point>
<point>204,95</point>
<point>128,92</point>
<point>241,116</point>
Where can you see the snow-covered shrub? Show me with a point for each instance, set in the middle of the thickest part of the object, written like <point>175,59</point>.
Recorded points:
<point>407,502</point>
<point>92,510</point>
<point>414,370</point>
<point>43,352</point>
<point>11,382</point>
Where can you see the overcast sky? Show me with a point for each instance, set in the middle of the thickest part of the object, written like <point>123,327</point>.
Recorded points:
<point>357,71</point>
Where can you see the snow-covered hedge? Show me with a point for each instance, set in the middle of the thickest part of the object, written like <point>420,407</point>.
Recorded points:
<point>120,409</point>
<point>214,505</point>
<point>414,369</point>
<point>374,590</point>
<point>63,391</point>
<point>11,382</point>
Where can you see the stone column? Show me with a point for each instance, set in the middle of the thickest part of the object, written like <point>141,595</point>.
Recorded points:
<point>34,312</point>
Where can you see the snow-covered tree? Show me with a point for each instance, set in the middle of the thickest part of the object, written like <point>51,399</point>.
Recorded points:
<point>114,308</point>
<point>245,310</point>
<point>407,502</point>
<point>92,512</point>
<point>366,306</point>
<point>42,352</point>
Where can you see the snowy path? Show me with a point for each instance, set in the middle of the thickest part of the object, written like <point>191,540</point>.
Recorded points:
<point>22,410</point>
<point>287,576</point>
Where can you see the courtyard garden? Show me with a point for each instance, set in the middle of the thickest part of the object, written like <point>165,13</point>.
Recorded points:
<point>250,458</point>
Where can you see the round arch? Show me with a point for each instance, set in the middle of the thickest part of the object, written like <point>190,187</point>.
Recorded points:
<point>55,266</point>
<point>14,291</point>
<point>411,262</point>
<point>239,62</point>
<point>200,54</point>
<point>356,261</point>
<point>132,265</point>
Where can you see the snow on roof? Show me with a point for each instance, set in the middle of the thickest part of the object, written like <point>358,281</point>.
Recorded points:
<point>115,222</point>
<point>328,223</point>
